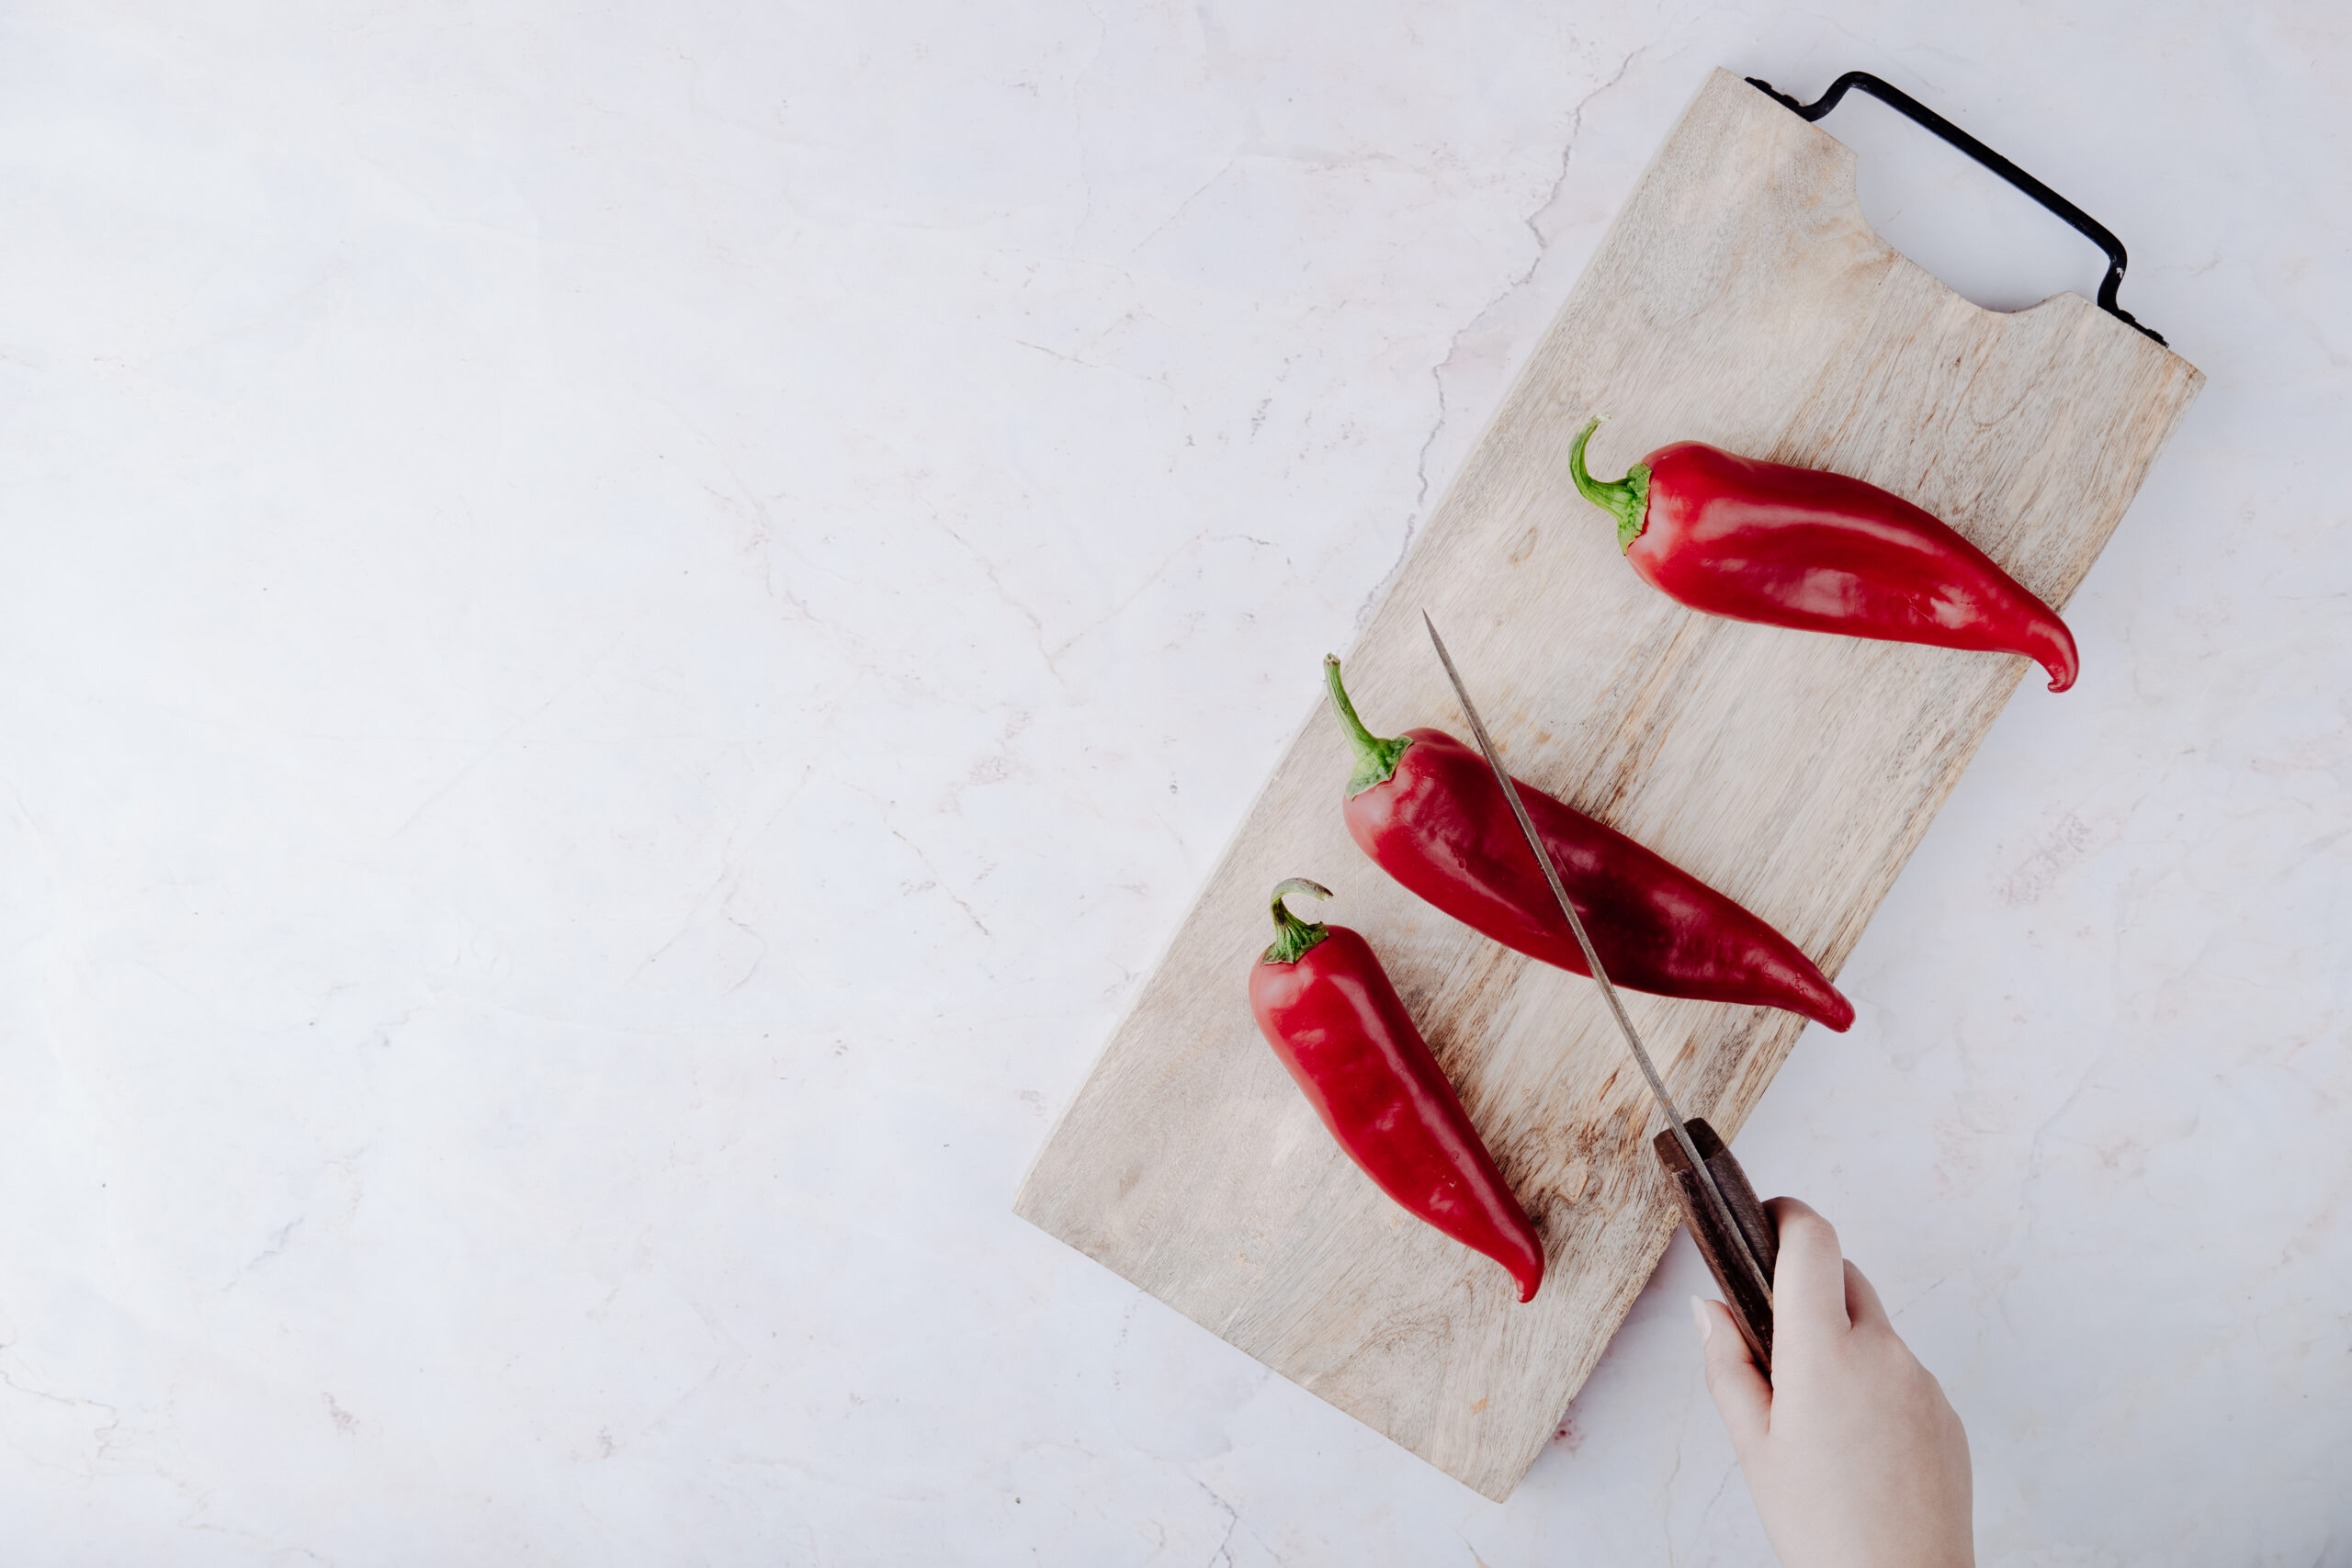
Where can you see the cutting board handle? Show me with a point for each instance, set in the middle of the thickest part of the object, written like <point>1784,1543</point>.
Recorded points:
<point>1896,98</point>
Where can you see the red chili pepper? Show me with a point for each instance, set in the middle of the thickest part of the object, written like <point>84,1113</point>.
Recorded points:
<point>1429,812</point>
<point>1325,1005</point>
<point>1818,551</point>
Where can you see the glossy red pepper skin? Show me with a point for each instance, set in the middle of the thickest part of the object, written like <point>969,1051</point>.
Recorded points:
<point>1799,547</point>
<point>1428,810</point>
<point>1338,1024</point>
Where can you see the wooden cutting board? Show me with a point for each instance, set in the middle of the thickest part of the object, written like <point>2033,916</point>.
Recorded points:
<point>1739,299</point>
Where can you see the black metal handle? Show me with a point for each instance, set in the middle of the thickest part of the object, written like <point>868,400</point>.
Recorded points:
<point>1903,103</point>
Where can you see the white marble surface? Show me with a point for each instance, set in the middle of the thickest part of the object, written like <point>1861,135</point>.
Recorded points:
<point>623,628</point>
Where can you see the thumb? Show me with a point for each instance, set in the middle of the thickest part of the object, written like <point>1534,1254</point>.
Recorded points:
<point>1743,1398</point>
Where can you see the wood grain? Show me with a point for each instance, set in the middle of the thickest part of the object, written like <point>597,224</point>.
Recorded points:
<point>1750,1309</point>
<point>1739,299</point>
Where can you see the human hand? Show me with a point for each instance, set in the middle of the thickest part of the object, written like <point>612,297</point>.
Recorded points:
<point>1852,1454</point>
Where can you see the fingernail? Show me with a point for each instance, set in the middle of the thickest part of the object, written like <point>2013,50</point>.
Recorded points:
<point>1706,1320</point>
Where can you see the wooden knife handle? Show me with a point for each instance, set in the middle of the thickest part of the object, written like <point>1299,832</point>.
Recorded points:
<point>1749,1308</point>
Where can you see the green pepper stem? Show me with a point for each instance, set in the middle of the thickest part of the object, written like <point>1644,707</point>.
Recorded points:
<point>1376,758</point>
<point>1627,500</point>
<point>1293,936</point>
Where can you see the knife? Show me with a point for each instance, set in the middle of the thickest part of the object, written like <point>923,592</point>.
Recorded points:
<point>1731,1229</point>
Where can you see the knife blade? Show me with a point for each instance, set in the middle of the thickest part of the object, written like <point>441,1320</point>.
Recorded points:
<point>1741,1248</point>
